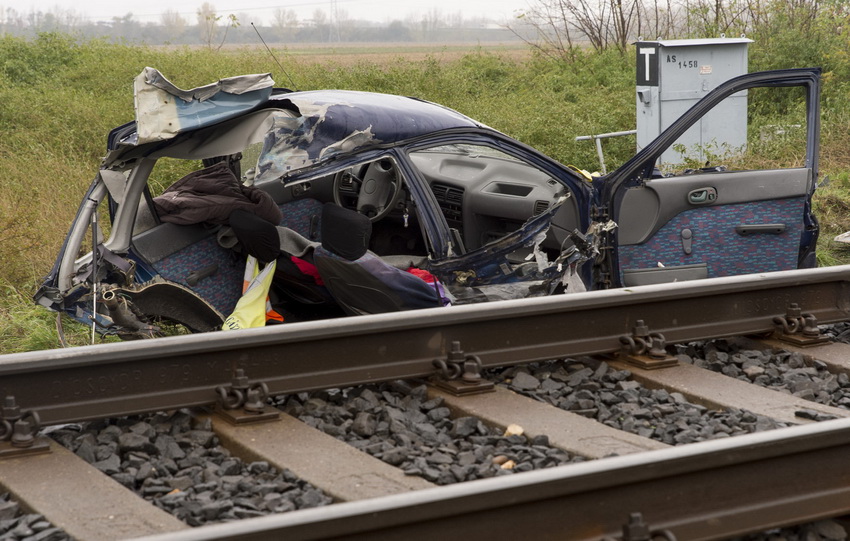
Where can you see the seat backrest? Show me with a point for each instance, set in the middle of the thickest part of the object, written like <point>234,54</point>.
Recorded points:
<point>303,216</point>
<point>359,280</point>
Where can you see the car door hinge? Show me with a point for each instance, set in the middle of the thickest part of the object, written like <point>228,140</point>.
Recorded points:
<point>602,279</point>
<point>599,214</point>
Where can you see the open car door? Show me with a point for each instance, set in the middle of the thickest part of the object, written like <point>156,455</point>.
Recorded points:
<point>713,220</point>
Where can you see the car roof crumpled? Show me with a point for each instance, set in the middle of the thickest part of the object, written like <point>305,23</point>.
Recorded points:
<point>163,110</point>
<point>336,122</point>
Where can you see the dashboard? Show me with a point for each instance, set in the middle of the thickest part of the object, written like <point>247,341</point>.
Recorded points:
<point>488,195</point>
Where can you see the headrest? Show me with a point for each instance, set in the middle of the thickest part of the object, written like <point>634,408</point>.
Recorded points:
<point>259,237</point>
<point>345,232</point>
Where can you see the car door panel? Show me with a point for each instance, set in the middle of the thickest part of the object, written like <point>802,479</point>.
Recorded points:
<point>750,221</point>
<point>713,236</point>
<point>711,223</point>
<point>647,208</point>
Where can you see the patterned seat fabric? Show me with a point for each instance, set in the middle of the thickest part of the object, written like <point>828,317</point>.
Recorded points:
<point>304,217</point>
<point>222,287</point>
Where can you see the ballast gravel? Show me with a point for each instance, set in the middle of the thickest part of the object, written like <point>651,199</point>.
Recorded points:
<point>592,388</point>
<point>16,525</point>
<point>782,371</point>
<point>822,530</point>
<point>177,464</point>
<point>837,332</point>
<point>397,423</point>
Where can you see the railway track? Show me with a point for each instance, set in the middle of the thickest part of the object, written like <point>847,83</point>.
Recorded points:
<point>610,477</point>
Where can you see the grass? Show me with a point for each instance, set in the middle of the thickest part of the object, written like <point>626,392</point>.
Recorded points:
<point>60,99</point>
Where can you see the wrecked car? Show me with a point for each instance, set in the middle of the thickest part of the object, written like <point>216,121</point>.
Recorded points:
<point>482,216</point>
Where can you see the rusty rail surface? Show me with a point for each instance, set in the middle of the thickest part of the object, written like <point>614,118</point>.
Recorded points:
<point>708,490</point>
<point>117,379</point>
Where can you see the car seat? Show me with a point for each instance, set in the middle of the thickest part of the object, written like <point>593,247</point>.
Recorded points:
<point>295,278</point>
<point>359,280</point>
<point>302,216</point>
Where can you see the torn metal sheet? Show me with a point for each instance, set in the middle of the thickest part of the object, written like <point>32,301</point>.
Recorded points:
<point>490,264</point>
<point>338,122</point>
<point>843,238</point>
<point>164,110</point>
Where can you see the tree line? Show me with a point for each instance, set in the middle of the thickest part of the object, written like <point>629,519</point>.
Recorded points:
<point>214,28</point>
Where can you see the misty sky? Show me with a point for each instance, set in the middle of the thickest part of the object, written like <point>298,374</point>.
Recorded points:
<point>260,11</point>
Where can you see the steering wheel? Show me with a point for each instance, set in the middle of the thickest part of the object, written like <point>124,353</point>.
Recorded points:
<point>377,187</point>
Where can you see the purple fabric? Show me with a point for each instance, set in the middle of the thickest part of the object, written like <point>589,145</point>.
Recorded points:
<point>371,285</point>
<point>223,288</point>
<point>303,216</point>
<point>716,242</point>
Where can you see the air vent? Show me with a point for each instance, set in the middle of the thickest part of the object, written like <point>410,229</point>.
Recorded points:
<point>450,200</point>
<point>346,183</point>
<point>454,195</point>
<point>540,207</point>
<point>439,191</point>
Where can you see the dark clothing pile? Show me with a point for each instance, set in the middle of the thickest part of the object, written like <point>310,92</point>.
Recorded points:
<point>210,195</point>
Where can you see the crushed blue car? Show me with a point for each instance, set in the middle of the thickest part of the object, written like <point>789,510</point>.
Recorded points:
<point>473,213</point>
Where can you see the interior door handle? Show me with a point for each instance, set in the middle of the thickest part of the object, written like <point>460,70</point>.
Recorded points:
<point>765,229</point>
<point>702,196</point>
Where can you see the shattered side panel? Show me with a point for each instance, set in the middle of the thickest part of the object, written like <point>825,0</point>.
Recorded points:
<point>486,274</point>
<point>163,110</point>
<point>337,122</point>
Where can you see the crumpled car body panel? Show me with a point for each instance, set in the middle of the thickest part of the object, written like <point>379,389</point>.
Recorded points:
<point>332,123</point>
<point>164,110</point>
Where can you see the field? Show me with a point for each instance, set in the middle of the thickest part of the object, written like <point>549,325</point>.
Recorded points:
<point>60,98</point>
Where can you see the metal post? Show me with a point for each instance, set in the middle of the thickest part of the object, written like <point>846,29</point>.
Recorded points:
<point>598,139</point>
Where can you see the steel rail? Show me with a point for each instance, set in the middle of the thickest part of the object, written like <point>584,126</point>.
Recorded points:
<point>708,490</point>
<point>91,382</point>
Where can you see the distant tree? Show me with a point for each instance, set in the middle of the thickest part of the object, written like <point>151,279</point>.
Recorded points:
<point>397,31</point>
<point>208,22</point>
<point>126,27</point>
<point>430,22</point>
<point>45,21</point>
<point>173,23</point>
<point>455,20</point>
<point>342,27</point>
<point>9,19</point>
<point>710,18</point>
<point>558,24</point>
<point>285,23</point>
<point>321,25</point>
